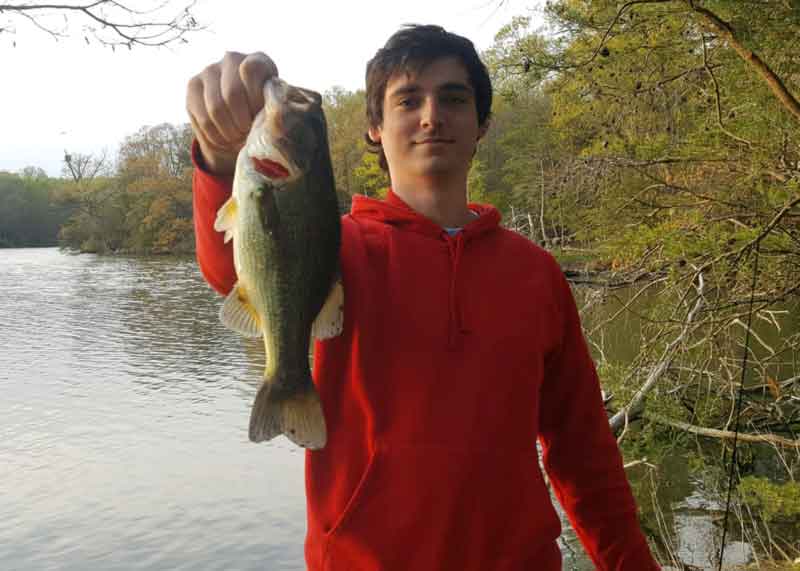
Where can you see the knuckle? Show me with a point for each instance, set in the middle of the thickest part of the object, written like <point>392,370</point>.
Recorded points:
<point>232,57</point>
<point>205,123</point>
<point>195,83</point>
<point>216,113</point>
<point>194,88</point>
<point>210,74</point>
<point>232,91</point>
<point>258,63</point>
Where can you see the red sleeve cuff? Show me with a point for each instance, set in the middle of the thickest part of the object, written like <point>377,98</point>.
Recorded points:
<point>209,182</point>
<point>210,192</point>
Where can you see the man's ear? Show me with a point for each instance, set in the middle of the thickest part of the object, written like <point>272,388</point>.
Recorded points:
<point>374,134</point>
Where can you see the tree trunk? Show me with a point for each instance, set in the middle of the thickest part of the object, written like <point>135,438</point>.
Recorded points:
<point>761,68</point>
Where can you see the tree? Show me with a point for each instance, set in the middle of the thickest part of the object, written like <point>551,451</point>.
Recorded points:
<point>33,173</point>
<point>369,178</point>
<point>355,167</point>
<point>83,168</point>
<point>144,206</point>
<point>29,216</point>
<point>109,23</point>
<point>155,175</point>
<point>670,144</point>
<point>344,114</point>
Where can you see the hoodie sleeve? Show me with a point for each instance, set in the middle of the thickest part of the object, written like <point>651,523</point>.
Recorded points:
<point>580,453</point>
<point>214,257</point>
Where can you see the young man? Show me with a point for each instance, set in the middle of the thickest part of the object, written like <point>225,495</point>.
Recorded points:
<point>461,344</point>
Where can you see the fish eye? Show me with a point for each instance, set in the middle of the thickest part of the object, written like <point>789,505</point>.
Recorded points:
<point>297,96</point>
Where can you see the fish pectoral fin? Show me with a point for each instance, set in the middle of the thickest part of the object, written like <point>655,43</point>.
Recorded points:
<point>330,320</point>
<point>226,218</point>
<point>239,315</point>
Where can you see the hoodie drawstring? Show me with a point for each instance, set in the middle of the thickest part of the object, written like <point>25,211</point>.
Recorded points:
<point>455,327</point>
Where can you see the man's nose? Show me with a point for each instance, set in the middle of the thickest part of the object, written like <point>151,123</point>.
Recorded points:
<point>431,117</point>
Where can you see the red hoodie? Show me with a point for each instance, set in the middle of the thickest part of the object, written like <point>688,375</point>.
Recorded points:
<point>457,354</point>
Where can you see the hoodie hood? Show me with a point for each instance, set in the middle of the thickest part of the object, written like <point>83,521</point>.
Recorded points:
<point>395,212</point>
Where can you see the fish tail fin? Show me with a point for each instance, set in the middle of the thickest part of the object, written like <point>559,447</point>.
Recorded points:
<point>297,414</point>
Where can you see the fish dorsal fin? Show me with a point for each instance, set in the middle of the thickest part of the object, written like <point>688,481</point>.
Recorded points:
<point>330,320</point>
<point>238,315</point>
<point>226,218</point>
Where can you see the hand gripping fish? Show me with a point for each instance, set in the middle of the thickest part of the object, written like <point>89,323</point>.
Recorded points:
<point>283,217</point>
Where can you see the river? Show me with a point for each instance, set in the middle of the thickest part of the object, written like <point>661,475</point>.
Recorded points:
<point>123,441</point>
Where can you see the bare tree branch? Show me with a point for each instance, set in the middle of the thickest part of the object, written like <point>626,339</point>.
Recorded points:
<point>725,434</point>
<point>710,72</point>
<point>761,68</point>
<point>112,23</point>
<point>636,403</point>
<point>528,61</point>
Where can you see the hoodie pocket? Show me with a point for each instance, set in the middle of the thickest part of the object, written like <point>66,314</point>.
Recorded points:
<point>436,507</point>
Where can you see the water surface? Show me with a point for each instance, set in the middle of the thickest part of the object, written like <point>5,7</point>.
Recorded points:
<point>123,441</point>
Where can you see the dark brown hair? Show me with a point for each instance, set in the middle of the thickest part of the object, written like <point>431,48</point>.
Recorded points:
<point>410,50</point>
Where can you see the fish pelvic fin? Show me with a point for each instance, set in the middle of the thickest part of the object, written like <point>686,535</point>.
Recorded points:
<point>226,218</point>
<point>330,320</point>
<point>238,314</point>
<point>296,414</point>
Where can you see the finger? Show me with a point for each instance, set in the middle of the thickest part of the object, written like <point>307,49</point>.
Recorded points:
<point>206,132</point>
<point>217,108</point>
<point>202,125</point>
<point>254,71</point>
<point>233,91</point>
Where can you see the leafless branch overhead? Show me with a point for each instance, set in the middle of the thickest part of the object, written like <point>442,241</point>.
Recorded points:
<point>109,22</point>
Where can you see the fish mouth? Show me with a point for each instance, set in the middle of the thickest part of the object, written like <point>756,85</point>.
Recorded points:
<point>263,151</point>
<point>275,140</point>
<point>269,168</point>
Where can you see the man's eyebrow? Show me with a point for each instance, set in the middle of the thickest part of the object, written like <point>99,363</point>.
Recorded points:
<point>456,86</point>
<point>452,86</point>
<point>404,90</point>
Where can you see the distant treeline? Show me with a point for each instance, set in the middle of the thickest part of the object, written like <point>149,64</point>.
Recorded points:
<point>30,214</point>
<point>140,204</point>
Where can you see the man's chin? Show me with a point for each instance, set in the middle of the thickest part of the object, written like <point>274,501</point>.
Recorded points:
<point>438,166</point>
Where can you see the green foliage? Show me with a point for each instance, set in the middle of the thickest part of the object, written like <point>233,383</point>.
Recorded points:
<point>346,119</point>
<point>640,134</point>
<point>478,192</point>
<point>29,214</point>
<point>774,501</point>
<point>355,167</point>
<point>368,177</point>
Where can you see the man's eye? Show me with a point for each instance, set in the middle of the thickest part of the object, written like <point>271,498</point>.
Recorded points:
<point>457,99</point>
<point>408,102</point>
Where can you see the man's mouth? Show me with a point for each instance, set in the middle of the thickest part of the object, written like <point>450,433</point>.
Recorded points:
<point>434,140</point>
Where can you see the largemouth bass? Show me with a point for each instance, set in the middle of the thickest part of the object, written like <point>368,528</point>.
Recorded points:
<point>283,217</point>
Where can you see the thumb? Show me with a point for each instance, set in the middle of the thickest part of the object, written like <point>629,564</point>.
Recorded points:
<point>255,70</point>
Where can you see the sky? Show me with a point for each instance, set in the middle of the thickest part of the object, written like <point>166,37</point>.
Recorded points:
<point>67,95</point>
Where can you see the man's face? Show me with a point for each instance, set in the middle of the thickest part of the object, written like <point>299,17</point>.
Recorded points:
<point>430,123</point>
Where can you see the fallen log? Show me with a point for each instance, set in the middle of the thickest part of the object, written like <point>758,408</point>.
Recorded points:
<point>725,434</point>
